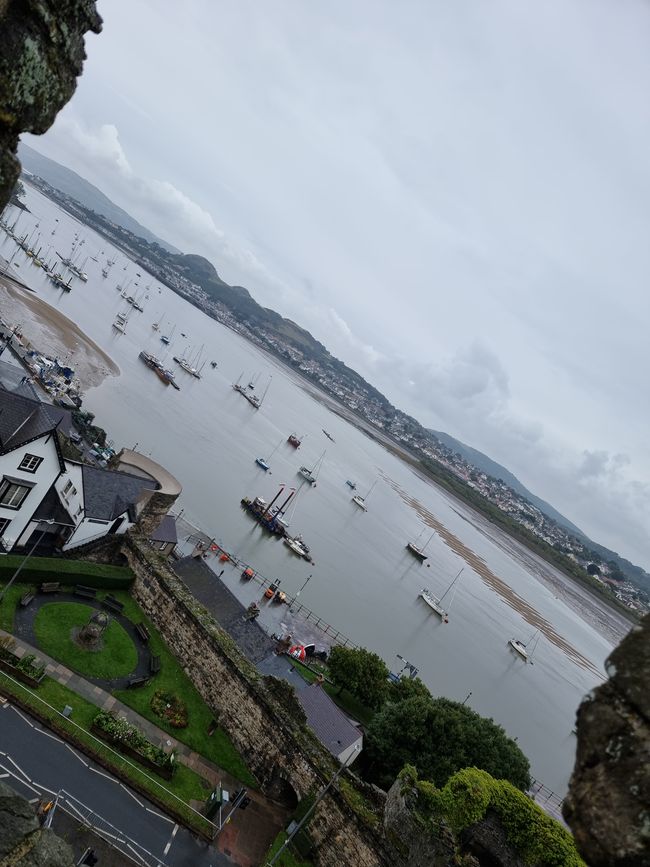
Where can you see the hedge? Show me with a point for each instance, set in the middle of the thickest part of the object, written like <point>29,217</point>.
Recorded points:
<point>69,572</point>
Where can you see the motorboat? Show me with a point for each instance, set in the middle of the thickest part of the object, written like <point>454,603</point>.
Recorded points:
<point>418,553</point>
<point>262,464</point>
<point>351,484</point>
<point>360,501</point>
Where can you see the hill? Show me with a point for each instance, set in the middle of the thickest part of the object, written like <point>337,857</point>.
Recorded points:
<point>83,191</point>
<point>492,468</point>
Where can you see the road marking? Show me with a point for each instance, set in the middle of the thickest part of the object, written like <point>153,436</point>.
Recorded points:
<point>76,755</point>
<point>171,840</point>
<point>23,717</point>
<point>4,776</point>
<point>129,792</point>
<point>101,773</point>
<point>159,815</point>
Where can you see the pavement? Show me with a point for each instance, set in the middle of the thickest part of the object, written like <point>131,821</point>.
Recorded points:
<point>244,840</point>
<point>224,606</point>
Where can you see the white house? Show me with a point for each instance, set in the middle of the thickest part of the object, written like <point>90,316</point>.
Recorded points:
<point>42,493</point>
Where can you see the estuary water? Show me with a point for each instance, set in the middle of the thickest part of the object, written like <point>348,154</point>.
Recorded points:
<point>364,581</point>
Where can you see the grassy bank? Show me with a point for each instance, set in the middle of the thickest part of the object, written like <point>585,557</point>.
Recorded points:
<point>68,572</point>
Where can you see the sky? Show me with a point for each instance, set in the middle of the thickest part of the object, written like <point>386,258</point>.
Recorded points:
<point>453,197</point>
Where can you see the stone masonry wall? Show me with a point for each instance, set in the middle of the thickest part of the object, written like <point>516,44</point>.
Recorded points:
<point>251,711</point>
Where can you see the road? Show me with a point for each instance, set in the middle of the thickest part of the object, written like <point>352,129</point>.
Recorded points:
<point>35,762</point>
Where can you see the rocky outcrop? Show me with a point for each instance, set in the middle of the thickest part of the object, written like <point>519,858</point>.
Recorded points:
<point>411,842</point>
<point>41,55</point>
<point>22,841</point>
<point>608,807</point>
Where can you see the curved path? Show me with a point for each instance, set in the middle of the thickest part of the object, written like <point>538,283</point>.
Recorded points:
<point>24,628</point>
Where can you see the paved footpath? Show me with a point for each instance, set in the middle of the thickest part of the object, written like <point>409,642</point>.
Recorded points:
<point>245,839</point>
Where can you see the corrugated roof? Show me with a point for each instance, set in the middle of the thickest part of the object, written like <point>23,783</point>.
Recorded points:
<point>328,722</point>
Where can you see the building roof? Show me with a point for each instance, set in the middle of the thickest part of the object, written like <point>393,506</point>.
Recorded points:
<point>23,419</point>
<point>328,722</point>
<point>166,531</point>
<point>281,666</point>
<point>109,493</point>
<point>51,507</point>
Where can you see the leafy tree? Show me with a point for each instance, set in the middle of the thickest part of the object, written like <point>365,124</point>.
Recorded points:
<point>593,569</point>
<point>439,737</point>
<point>361,672</point>
<point>408,687</point>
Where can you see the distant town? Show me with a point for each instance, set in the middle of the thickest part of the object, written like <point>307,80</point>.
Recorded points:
<point>195,279</point>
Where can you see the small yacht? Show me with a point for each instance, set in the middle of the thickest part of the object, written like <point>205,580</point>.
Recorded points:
<point>262,464</point>
<point>519,647</point>
<point>360,501</point>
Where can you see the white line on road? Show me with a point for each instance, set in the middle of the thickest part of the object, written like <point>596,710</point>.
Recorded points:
<point>76,755</point>
<point>4,776</point>
<point>171,840</point>
<point>122,786</point>
<point>159,815</point>
<point>101,773</point>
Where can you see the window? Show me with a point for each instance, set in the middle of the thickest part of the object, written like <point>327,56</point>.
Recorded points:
<point>79,511</point>
<point>162,546</point>
<point>30,463</point>
<point>4,523</point>
<point>12,495</point>
<point>69,489</point>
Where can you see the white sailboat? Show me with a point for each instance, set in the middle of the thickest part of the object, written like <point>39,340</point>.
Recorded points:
<point>522,649</point>
<point>436,603</point>
<point>360,501</point>
<point>311,473</point>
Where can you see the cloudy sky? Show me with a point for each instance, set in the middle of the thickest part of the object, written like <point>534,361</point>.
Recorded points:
<point>453,197</point>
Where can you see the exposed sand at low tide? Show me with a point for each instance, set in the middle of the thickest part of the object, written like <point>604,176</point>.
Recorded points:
<point>48,331</point>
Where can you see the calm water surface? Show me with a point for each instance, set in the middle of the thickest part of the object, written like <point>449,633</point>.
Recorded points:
<point>364,581</point>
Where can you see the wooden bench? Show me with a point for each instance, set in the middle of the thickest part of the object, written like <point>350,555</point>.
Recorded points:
<point>85,592</point>
<point>142,631</point>
<point>154,664</point>
<point>26,599</point>
<point>140,680</point>
<point>113,604</point>
<point>50,587</point>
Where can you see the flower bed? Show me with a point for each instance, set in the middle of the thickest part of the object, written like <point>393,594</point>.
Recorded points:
<point>26,669</point>
<point>131,742</point>
<point>170,707</point>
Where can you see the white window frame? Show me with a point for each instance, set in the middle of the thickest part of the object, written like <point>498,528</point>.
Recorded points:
<point>5,487</point>
<point>27,464</point>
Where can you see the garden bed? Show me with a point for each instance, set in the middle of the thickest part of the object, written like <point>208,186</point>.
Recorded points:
<point>25,669</point>
<point>130,741</point>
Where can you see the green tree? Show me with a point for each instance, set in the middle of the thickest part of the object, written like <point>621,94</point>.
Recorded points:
<point>361,672</point>
<point>408,687</point>
<point>439,737</point>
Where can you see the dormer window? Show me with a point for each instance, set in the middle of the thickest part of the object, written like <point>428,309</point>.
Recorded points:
<point>30,463</point>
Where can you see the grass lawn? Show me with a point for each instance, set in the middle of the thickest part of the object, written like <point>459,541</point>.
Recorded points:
<point>345,700</point>
<point>9,604</point>
<point>287,859</point>
<point>171,678</point>
<point>185,785</point>
<point>53,627</point>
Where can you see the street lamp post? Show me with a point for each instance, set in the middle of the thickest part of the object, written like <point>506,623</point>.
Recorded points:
<point>303,587</point>
<point>49,522</point>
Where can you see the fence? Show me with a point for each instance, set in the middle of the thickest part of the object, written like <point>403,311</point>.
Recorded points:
<point>192,535</point>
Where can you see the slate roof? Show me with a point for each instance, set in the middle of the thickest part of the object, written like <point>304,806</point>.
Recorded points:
<point>109,493</point>
<point>280,666</point>
<point>50,507</point>
<point>166,532</point>
<point>23,419</point>
<point>328,722</point>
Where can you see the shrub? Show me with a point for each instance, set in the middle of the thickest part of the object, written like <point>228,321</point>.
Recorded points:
<point>118,729</point>
<point>40,569</point>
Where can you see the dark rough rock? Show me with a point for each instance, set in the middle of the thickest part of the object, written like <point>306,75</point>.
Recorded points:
<point>608,807</point>
<point>486,840</point>
<point>41,55</point>
<point>413,844</point>
<point>22,841</point>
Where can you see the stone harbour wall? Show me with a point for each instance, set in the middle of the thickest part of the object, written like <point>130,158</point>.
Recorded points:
<point>259,714</point>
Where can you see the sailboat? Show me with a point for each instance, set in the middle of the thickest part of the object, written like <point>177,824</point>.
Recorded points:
<point>418,552</point>
<point>311,473</point>
<point>167,339</point>
<point>437,604</point>
<point>263,463</point>
<point>156,325</point>
<point>522,649</point>
<point>360,501</point>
